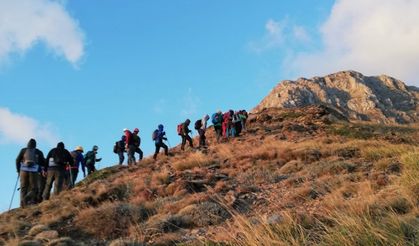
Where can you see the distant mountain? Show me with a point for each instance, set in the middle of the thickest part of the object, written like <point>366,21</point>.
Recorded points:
<point>368,98</point>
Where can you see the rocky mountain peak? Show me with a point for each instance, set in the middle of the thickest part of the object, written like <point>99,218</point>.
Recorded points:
<point>369,98</point>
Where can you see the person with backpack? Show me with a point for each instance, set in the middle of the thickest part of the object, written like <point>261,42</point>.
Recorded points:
<point>30,163</point>
<point>129,146</point>
<point>243,117</point>
<point>236,125</point>
<point>90,159</point>
<point>119,148</point>
<point>227,123</point>
<point>78,159</point>
<point>217,120</point>
<point>137,142</point>
<point>56,160</point>
<point>201,127</point>
<point>158,136</point>
<point>183,131</point>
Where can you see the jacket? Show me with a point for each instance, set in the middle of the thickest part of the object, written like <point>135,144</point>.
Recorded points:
<point>61,154</point>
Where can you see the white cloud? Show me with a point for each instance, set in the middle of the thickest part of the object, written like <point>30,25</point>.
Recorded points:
<point>23,23</point>
<point>371,36</point>
<point>16,128</point>
<point>279,34</point>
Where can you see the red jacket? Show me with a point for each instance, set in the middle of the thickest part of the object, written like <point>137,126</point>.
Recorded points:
<point>129,140</point>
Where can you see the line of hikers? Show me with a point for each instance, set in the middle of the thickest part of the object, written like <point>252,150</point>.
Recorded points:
<point>60,168</point>
<point>228,124</point>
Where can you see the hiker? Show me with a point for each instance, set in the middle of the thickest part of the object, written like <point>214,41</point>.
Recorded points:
<point>235,125</point>
<point>78,159</point>
<point>158,137</point>
<point>217,120</point>
<point>129,146</point>
<point>243,117</point>
<point>90,160</point>
<point>29,163</point>
<point>137,142</point>
<point>184,133</point>
<point>201,127</point>
<point>227,123</point>
<point>119,148</point>
<point>56,160</point>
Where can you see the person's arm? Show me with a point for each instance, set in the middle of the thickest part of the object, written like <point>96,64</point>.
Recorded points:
<point>19,159</point>
<point>69,158</point>
<point>41,160</point>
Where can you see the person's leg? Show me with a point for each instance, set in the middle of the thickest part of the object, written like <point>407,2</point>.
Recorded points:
<point>204,139</point>
<point>121,157</point>
<point>200,133</point>
<point>41,186</point>
<point>166,149</point>
<point>75,173</point>
<point>24,186</point>
<point>33,188</point>
<point>140,152</point>
<point>59,179</point>
<point>182,147</point>
<point>189,140</point>
<point>48,185</point>
<point>156,152</point>
<point>131,154</point>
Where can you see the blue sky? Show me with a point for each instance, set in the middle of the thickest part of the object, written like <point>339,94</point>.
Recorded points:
<point>81,71</point>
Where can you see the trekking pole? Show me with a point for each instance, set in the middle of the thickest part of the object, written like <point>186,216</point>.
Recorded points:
<point>14,191</point>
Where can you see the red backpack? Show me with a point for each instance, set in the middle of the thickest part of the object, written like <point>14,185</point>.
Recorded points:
<point>179,129</point>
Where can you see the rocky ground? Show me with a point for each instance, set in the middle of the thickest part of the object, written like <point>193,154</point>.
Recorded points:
<point>304,176</point>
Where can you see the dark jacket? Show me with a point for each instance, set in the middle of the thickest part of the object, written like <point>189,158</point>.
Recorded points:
<point>185,127</point>
<point>78,159</point>
<point>90,158</point>
<point>58,157</point>
<point>40,160</point>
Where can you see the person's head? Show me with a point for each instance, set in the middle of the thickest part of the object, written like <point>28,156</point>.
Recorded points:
<point>123,138</point>
<point>160,127</point>
<point>95,148</point>
<point>219,112</point>
<point>188,121</point>
<point>60,145</point>
<point>125,130</point>
<point>231,112</point>
<point>136,131</point>
<point>206,117</point>
<point>32,143</point>
<point>79,149</point>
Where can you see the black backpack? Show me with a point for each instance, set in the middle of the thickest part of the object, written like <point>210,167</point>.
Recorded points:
<point>198,124</point>
<point>115,147</point>
<point>59,158</point>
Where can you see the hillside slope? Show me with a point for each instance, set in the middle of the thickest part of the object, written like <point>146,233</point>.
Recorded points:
<point>369,98</point>
<point>303,176</point>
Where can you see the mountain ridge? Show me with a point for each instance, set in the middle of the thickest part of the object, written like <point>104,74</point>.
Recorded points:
<point>380,99</point>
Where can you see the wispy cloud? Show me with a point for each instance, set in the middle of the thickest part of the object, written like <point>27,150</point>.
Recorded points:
<point>160,106</point>
<point>190,104</point>
<point>371,36</point>
<point>23,23</point>
<point>17,128</point>
<point>279,34</point>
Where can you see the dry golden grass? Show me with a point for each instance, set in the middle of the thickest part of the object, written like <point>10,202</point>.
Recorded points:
<point>196,159</point>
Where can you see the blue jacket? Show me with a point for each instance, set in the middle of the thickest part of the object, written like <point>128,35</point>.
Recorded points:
<point>78,159</point>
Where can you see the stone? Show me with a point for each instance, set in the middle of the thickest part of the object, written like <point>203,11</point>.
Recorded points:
<point>35,230</point>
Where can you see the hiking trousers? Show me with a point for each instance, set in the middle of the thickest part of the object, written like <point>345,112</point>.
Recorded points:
<point>202,138</point>
<point>28,188</point>
<point>55,176</point>
<point>90,169</point>
<point>41,186</point>
<point>131,154</point>
<point>121,157</point>
<point>218,132</point>
<point>158,146</point>
<point>184,139</point>
<point>140,152</point>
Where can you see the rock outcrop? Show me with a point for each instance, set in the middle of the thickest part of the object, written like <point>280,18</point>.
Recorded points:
<point>377,98</point>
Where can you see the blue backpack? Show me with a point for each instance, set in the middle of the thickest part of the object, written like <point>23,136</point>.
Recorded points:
<point>215,118</point>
